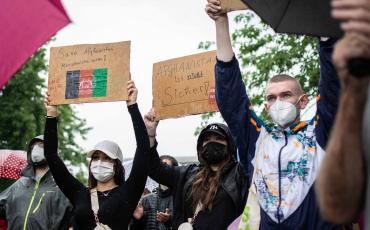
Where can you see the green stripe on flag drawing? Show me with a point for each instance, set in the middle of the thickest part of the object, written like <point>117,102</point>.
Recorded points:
<point>100,82</point>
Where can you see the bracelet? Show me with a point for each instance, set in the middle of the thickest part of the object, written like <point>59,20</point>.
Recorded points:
<point>152,135</point>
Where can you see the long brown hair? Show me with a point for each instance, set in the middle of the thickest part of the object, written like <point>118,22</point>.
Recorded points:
<point>119,175</point>
<point>206,184</point>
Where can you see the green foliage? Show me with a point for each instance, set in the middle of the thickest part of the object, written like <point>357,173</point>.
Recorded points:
<point>262,54</point>
<point>23,114</point>
<point>21,105</point>
<point>205,45</point>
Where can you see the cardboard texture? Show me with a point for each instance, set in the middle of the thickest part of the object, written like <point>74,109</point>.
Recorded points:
<point>89,73</point>
<point>184,86</point>
<point>232,5</point>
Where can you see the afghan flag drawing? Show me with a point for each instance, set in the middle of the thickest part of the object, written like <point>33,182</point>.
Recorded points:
<point>86,83</point>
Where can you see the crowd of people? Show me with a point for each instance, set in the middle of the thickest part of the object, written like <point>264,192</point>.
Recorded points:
<point>295,175</point>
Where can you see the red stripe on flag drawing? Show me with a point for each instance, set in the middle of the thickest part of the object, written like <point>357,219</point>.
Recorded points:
<point>86,83</point>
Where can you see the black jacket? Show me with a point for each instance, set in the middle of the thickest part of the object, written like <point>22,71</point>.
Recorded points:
<point>229,201</point>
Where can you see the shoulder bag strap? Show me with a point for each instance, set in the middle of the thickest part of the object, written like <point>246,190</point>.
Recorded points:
<point>94,203</point>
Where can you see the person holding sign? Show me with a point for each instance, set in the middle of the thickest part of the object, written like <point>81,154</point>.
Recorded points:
<point>109,201</point>
<point>282,161</point>
<point>206,196</point>
<point>343,184</point>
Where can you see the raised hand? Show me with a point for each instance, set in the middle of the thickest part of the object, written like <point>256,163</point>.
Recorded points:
<point>131,92</point>
<point>355,15</point>
<point>150,123</point>
<point>213,9</point>
<point>163,216</point>
<point>139,211</point>
<point>352,45</point>
<point>51,110</point>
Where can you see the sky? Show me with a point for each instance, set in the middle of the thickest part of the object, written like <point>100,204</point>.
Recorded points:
<point>158,30</point>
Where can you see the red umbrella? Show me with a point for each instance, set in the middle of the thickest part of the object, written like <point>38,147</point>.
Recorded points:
<point>12,162</point>
<point>25,26</point>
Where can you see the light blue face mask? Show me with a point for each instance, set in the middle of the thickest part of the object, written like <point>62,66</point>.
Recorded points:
<point>37,153</point>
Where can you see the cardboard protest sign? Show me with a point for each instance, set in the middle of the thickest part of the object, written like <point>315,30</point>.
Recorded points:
<point>184,86</point>
<point>232,5</point>
<point>89,73</point>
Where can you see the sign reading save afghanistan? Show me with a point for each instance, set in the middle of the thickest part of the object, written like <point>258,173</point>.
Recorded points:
<point>89,73</point>
<point>184,86</point>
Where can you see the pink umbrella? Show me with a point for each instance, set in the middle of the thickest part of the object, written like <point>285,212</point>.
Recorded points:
<point>25,26</point>
<point>12,162</point>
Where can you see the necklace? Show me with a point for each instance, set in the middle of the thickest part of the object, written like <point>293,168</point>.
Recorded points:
<point>105,194</point>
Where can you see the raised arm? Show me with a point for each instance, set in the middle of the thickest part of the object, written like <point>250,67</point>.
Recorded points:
<point>341,180</point>
<point>158,171</point>
<point>340,184</point>
<point>224,49</point>
<point>231,96</point>
<point>329,91</point>
<point>63,178</point>
<point>136,182</point>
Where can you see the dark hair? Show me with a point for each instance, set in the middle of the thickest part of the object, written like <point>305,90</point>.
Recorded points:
<point>286,77</point>
<point>119,174</point>
<point>206,184</point>
<point>170,158</point>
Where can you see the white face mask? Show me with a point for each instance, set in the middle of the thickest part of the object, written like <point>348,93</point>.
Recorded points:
<point>283,113</point>
<point>37,153</point>
<point>163,187</point>
<point>102,171</point>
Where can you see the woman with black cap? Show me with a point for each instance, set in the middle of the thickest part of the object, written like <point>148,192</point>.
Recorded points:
<point>109,201</point>
<point>209,195</point>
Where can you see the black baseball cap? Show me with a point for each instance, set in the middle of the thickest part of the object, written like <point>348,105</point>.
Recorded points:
<point>214,128</point>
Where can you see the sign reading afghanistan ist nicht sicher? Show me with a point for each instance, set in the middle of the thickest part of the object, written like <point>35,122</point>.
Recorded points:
<point>184,86</point>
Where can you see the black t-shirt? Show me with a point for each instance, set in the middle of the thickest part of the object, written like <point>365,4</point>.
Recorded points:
<point>116,206</point>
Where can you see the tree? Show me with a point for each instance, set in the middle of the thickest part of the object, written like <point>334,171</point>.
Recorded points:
<point>263,53</point>
<point>23,114</point>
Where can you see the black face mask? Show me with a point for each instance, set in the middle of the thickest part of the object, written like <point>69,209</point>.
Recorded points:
<point>41,164</point>
<point>214,153</point>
